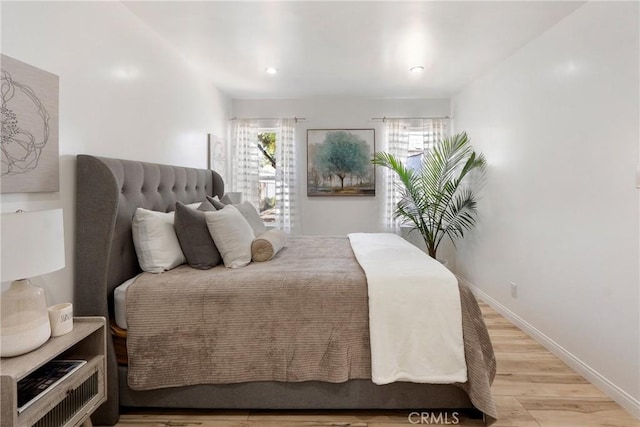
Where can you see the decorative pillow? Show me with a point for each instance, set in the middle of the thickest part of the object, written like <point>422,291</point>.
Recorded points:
<point>248,211</point>
<point>227,200</point>
<point>206,206</point>
<point>221,203</point>
<point>195,240</point>
<point>267,245</point>
<point>155,241</point>
<point>217,203</point>
<point>232,235</point>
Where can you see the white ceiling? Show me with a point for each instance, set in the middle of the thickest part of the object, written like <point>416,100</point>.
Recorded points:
<point>361,49</point>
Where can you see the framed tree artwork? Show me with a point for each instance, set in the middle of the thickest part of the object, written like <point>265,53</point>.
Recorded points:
<point>339,162</point>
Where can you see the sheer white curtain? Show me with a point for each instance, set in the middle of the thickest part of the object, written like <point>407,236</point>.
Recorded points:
<point>404,137</point>
<point>286,175</point>
<point>433,130</point>
<point>245,161</point>
<point>397,139</point>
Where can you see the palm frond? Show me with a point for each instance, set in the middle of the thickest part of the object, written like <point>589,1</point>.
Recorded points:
<point>437,201</point>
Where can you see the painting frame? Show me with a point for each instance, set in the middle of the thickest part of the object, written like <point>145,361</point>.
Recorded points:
<point>30,146</point>
<point>339,162</point>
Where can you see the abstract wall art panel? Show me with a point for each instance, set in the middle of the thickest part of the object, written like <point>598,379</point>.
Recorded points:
<point>30,159</point>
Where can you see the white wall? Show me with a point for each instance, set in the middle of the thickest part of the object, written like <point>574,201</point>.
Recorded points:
<point>558,123</point>
<point>123,93</point>
<point>329,215</point>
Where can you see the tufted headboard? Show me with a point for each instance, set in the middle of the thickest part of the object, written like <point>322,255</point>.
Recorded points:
<point>107,195</point>
<point>108,191</point>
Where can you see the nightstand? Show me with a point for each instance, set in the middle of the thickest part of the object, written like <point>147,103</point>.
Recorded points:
<point>71,401</point>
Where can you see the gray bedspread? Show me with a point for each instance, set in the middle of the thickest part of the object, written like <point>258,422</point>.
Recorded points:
<point>303,316</point>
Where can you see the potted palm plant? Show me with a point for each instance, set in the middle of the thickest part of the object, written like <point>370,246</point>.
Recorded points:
<point>438,200</point>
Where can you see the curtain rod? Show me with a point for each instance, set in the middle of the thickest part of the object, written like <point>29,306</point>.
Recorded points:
<point>410,118</point>
<point>297,119</point>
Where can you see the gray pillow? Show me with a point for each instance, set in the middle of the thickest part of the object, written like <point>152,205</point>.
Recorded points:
<point>216,203</point>
<point>247,210</point>
<point>206,206</point>
<point>226,200</point>
<point>221,203</point>
<point>250,213</point>
<point>194,237</point>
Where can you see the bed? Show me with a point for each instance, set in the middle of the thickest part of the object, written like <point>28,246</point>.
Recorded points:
<point>108,193</point>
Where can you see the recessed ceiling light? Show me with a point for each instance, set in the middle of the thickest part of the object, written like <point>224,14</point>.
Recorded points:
<point>271,70</point>
<point>417,69</point>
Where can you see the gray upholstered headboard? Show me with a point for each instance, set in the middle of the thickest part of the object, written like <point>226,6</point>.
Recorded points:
<point>108,193</point>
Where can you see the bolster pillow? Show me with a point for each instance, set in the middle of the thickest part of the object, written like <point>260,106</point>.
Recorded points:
<point>267,245</point>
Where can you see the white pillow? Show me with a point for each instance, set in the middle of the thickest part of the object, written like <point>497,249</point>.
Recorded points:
<point>155,241</point>
<point>232,235</point>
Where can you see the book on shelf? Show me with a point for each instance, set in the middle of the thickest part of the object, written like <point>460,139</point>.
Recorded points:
<point>35,385</point>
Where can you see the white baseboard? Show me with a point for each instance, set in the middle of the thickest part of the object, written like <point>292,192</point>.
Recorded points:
<point>623,398</point>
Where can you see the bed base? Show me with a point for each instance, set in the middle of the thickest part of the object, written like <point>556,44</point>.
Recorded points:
<point>353,394</point>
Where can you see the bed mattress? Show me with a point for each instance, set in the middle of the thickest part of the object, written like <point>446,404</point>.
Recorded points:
<point>120,303</point>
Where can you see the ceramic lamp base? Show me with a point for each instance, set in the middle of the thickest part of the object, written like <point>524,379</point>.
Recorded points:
<point>24,342</point>
<point>24,319</point>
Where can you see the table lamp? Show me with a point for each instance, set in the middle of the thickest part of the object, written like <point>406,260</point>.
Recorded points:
<point>32,245</point>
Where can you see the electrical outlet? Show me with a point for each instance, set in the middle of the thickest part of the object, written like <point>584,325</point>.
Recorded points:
<point>514,290</point>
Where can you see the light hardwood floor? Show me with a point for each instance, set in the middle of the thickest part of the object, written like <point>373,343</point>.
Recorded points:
<point>533,388</point>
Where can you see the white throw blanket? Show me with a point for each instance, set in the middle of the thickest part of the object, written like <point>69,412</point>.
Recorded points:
<point>415,320</point>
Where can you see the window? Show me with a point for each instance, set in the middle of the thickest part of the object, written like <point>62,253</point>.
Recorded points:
<point>419,142</point>
<point>267,175</point>
<point>254,164</point>
<point>408,140</point>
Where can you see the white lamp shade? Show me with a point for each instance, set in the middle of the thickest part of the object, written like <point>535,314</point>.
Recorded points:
<point>32,244</point>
